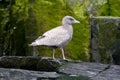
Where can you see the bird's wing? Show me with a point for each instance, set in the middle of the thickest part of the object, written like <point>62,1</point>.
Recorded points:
<point>55,37</point>
<point>40,37</point>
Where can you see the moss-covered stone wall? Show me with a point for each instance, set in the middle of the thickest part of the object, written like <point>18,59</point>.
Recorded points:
<point>104,38</point>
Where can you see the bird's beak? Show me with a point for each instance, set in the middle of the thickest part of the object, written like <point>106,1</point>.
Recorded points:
<point>77,21</point>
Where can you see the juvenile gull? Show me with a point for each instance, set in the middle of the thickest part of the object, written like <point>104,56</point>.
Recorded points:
<point>57,37</point>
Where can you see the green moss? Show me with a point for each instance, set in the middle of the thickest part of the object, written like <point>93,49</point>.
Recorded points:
<point>105,37</point>
<point>110,8</point>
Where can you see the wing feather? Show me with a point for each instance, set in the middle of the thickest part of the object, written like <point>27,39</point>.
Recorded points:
<point>55,37</point>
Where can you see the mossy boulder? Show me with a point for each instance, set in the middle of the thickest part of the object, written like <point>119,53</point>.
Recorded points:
<point>47,64</point>
<point>19,62</point>
<point>105,39</point>
<point>30,63</point>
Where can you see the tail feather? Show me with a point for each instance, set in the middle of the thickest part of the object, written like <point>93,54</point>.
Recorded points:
<point>33,44</point>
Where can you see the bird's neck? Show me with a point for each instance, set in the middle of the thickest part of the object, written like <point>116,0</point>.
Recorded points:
<point>69,28</point>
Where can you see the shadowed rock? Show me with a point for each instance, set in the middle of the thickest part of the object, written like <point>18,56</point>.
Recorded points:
<point>19,62</point>
<point>29,63</point>
<point>47,64</point>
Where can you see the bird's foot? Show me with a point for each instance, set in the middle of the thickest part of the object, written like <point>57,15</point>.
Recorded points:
<point>67,59</point>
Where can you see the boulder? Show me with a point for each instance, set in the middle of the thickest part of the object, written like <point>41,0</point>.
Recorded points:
<point>105,39</point>
<point>47,64</point>
<point>94,71</point>
<point>20,62</point>
<point>53,69</point>
<point>19,74</point>
<point>30,63</point>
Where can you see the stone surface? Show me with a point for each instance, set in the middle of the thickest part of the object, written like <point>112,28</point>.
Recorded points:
<point>21,62</point>
<point>30,63</point>
<point>105,35</point>
<point>95,71</point>
<point>113,73</point>
<point>61,69</point>
<point>89,69</point>
<point>47,64</point>
<point>18,74</point>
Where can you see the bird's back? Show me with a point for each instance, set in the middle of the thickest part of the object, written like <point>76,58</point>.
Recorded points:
<point>56,37</point>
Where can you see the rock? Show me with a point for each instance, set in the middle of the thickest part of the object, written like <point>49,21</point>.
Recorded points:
<point>63,70</point>
<point>113,73</point>
<point>105,39</point>
<point>116,53</point>
<point>30,63</point>
<point>1,46</point>
<point>47,64</point>
<point>85,69</point>
<point>18,74</point>
<point>95,71</point>
<point>19,62</point>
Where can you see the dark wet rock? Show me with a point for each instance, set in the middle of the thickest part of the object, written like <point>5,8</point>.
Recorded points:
<point>116,53</point>
<point>30,63</point>
<point>19,62</point>
<point>47,64</point>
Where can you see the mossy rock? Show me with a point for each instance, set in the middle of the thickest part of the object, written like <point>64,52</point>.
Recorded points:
<point>19,62</point>
<point>47,64</point>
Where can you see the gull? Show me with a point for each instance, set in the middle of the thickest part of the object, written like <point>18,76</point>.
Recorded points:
<point>57,37</point>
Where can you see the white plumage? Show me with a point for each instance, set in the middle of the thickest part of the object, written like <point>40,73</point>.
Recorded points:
<point>57,37</point>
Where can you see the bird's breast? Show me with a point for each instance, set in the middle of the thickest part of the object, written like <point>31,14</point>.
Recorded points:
<point>70,30</point>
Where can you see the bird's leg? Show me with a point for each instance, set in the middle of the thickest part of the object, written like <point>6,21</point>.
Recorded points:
<point>63,53</point>
<point>53,53</point>
<point>34,51</point>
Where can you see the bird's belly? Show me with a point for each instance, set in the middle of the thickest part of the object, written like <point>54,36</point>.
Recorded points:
<point>64,43</point>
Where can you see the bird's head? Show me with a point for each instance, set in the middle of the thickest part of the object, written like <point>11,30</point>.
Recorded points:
<point>69,20</point>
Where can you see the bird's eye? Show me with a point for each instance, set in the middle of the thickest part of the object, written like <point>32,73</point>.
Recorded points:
<point>71,19</point>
